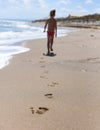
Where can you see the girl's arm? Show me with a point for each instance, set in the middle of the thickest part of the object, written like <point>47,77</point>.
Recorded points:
<point>56,29</point>
<point>45,25</point>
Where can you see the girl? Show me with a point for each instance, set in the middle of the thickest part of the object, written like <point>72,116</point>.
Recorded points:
<point>51,23</point>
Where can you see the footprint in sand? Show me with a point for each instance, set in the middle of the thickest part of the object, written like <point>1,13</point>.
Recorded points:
<point>42,110</point>
<point>41,58</point>
<point>92,35</point>
<point>32,110</point>
<point>30,60</point>
<point>42,66</point>
<point>84,70</point>
<point>91,59</point>
<point>43,77</point>
<point>49,95</point>
<point>42,61</point>
<point>53,84</point>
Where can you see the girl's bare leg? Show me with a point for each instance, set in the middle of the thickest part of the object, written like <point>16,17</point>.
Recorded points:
<point>48,45</point>
<point>51,44</point>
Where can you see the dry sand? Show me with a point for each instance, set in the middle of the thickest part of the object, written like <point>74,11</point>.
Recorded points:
<point>60,92</point>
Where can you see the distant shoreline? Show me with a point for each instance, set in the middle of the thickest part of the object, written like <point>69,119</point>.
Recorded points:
<point>87,21</point>
<point>74,25</point>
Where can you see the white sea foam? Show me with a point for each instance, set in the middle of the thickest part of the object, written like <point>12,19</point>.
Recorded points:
<point>7,52</point>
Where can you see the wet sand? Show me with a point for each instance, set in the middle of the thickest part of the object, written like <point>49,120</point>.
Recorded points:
<point>57,92</point>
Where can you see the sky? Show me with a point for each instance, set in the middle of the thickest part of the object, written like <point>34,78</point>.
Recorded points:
<point>39,9</point>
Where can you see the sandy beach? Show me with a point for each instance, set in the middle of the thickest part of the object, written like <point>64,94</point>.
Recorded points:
<point>60,92</point>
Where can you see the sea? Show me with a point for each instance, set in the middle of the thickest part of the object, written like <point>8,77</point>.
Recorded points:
<point>14,32</point>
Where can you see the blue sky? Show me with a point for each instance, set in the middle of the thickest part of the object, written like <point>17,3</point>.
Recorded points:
<point>36,9</point>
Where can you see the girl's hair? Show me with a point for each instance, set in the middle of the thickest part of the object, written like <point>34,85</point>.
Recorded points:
<point>52,12</point>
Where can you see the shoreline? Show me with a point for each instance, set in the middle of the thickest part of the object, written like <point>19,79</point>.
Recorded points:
<point>53,93</point>
<point>21,45</point>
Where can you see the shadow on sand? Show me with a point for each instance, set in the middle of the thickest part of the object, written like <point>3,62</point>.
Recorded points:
<point>50,54</point>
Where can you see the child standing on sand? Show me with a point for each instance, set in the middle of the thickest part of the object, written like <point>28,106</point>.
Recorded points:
<point>51,25</point>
